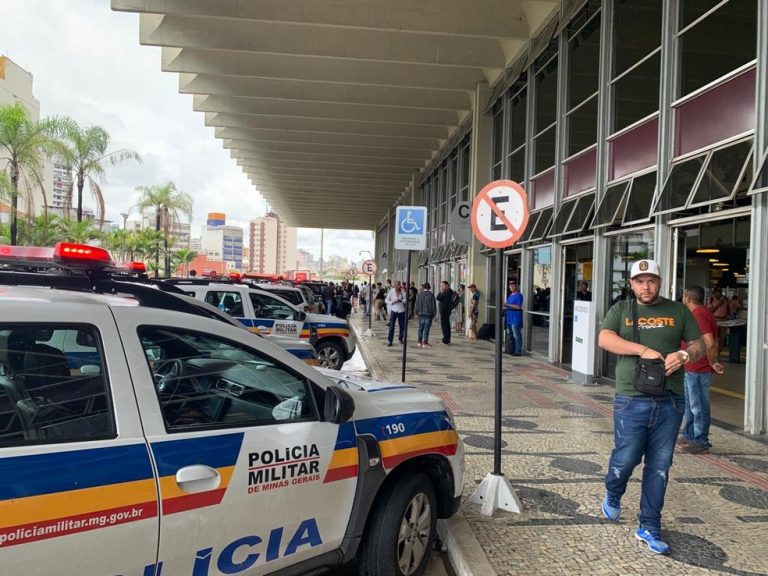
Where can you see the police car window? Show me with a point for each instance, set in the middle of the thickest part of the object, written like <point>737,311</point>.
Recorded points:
<point>264,306</point>
<point>53,387</point>
<point>229,302</point>
<point>290,295</point>
<point>206,382</point>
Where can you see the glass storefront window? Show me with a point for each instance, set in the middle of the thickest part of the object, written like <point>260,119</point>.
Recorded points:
<point>636,31</point>
<point>679,184</point>
<point>583,63</point>
<point>544,146</point>
<point>625,249</point>
<point>582,212</point>
<point>702,61</point>
<point>724,171</point>
<point>640,198</point>
<point>563,215</point>
<point>582,127</point>
<point>537,315</point>
<point>610,208</point>
<point>636,94</point>
<point>546,96</point>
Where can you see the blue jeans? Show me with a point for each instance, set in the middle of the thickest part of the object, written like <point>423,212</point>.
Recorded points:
<point>329,307</point>
<point>398,317</point>
<point>645,427</point>
<point>696,427</point>
<point>516,332</point>
<point>425,323</point>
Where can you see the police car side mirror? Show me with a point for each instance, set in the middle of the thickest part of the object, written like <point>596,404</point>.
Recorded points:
<point>300,316</point>
<point>339,405</point>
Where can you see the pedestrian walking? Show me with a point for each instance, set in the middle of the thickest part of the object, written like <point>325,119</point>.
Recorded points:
<point>513,317</point>
<point>412,293</point>
<point>695,437</point>
<point>396,301</point>
<point>645,333</point>
<point>378,302</point>
<point>458,313</point>
<point>426,310</point>
<point>328,298</point>
<point>444,304</point>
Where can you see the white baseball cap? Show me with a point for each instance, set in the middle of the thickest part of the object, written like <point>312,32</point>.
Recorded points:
<point>644,267</point>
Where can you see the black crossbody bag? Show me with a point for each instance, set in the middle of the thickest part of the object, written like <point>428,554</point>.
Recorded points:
<point>650,375</point>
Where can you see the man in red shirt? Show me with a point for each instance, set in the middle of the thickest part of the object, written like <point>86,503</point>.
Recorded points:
<point>695,437</point>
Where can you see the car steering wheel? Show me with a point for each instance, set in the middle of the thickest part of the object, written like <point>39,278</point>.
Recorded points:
<point>167,373</point>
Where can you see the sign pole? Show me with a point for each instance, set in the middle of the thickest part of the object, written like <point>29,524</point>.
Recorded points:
<point>499,339</point>
<point>405,330</point>
<point>369,299</point>
<point>499,218</point>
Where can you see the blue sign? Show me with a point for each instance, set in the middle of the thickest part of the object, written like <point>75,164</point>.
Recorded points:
<point>411,228</point>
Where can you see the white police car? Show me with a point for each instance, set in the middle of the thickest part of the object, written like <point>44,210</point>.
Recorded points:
<point>269,314</point>
<point>139,437</point>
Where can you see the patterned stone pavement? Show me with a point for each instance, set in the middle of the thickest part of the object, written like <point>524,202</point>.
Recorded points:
<point>557,437</point>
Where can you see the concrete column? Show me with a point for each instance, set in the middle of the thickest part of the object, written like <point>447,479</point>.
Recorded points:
<point>600,252</point>
<point>389,261</point>
<point>479,176</point>
<point>662,231</point>
<point>756,393</point>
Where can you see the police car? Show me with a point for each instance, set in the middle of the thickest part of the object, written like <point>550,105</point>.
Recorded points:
<point>269,314</point>
<point>139,436</point>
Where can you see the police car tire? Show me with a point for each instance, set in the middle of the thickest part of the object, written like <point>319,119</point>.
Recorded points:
<point>379,554</point>
<point>325,356</point>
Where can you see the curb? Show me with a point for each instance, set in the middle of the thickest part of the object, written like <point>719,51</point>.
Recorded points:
<point>465,554</point>
<point>462,547</point>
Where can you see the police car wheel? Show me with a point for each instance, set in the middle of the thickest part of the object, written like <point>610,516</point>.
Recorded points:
<point>330,355</point>
<point>402,530</point>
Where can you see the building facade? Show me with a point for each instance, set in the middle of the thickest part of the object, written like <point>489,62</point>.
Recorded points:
<point>635,136</point>
<point>16,85</point>
<point>272,245</point>
<point>220,241</point>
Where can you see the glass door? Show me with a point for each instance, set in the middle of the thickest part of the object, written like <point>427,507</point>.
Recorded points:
<point>577,285</point>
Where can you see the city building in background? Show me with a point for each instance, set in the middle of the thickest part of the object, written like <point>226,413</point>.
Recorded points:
<point>16,85</point>
<point>219,241</point>
<point>272,245</point>
<point>180,231</point>
<point>62,184</point>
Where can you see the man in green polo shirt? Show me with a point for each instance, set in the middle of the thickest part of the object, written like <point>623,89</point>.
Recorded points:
<point>646,426</point>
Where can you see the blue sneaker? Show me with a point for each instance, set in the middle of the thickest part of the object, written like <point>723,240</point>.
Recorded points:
<point>653,539</point>
<point>611,508</point>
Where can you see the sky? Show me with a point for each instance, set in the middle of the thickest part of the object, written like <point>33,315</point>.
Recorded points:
<point>87,63</point>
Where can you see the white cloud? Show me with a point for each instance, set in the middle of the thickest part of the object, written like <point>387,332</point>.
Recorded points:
<point>87,63</point>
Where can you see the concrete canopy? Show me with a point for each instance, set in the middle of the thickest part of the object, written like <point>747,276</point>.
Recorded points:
<point>332,108</point>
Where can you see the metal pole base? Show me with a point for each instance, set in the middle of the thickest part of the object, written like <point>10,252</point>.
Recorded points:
<point>368,332</point>
<point>495,492</point>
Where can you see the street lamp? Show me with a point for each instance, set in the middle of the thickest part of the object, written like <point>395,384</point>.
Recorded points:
<point>125,219</point>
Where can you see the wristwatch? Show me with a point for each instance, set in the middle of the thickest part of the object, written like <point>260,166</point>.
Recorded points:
<point>684,356</point>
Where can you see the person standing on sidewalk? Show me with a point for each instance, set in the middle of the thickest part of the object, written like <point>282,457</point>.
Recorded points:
<point>514,319</point>
<point>695,437</point>
<point>378,302</point>
<point>425,309</point>
<point>396,300</point>
<point>412,293</point>
<point>444,300</point>
<point>474,310</point>
<point>645,425</point>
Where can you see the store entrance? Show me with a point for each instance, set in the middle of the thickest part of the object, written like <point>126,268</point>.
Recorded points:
<point>715,256</point>
<point>577,285</point>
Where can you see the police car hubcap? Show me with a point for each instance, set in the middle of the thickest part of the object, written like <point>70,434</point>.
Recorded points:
<point>328,357</point>
<point>414,534</point>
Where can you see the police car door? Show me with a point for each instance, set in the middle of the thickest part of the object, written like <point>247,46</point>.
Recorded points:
<point>250,477</point>
<point>280,314</point>
<point>77,489</point>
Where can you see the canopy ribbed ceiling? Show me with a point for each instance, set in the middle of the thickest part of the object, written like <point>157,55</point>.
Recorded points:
<point>331,106</point>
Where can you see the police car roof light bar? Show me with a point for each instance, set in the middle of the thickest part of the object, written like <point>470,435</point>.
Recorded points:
<point>135,266</point>
<point>63,254</point>
<point>67,252</point>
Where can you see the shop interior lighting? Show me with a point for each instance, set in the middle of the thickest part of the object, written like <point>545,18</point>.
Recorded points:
<point>720,264</point>
<point>714,260</point>
<point>708,251</point>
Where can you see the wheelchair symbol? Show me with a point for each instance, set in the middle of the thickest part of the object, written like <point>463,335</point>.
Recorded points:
<point>409,225</point>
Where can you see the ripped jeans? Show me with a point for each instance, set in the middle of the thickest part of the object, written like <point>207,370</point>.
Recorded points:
<point>644,426</point>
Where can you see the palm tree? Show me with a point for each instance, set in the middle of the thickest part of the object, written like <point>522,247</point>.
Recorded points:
<point>43,230</point>
<point>183,257</point>
<point>23,143</point>
<point>167,202</point>
<point>86,153</point>
<point>79,232</point>
<point>116,241</point>
<point>148,244</point>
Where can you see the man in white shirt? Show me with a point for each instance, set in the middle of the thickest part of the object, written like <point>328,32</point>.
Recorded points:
<point>396,305</point>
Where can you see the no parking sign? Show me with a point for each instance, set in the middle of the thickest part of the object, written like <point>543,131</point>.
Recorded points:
<point>500,214</point>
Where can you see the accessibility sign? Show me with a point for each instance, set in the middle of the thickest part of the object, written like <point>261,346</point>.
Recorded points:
<point>411,228</point>
<point>500,214</point>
